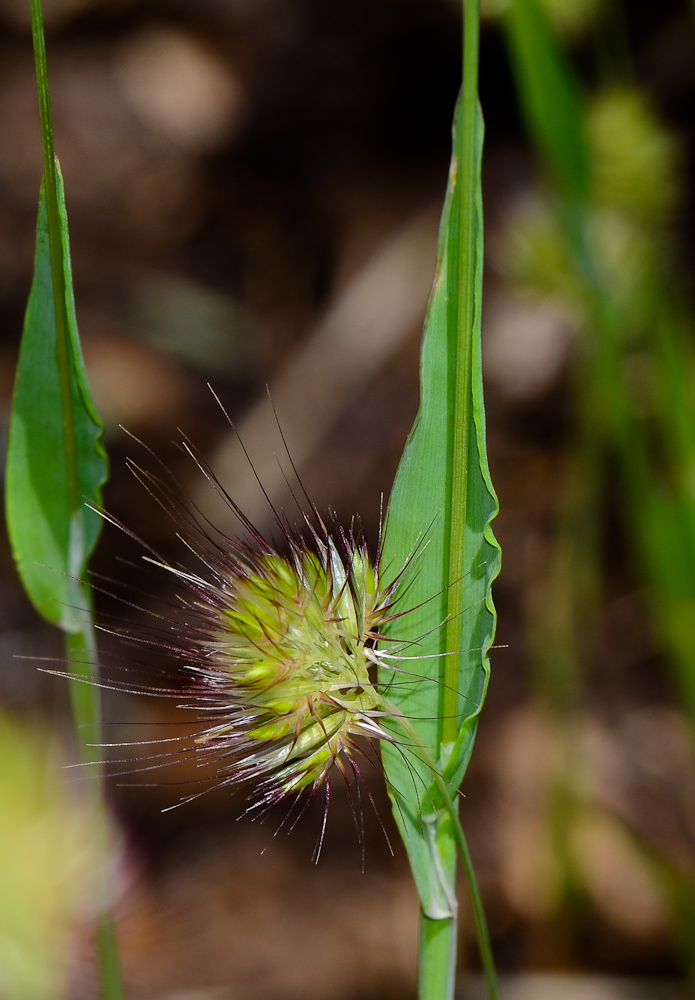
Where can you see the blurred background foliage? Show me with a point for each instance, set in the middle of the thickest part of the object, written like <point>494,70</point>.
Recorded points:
<point>254,189</point>
<point>48,868</point>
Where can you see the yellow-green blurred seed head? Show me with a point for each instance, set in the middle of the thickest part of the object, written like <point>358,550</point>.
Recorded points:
<point>535,256</point>
<point>634,158</point>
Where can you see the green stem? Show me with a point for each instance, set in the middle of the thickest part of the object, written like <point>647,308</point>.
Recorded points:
<point>438,945</point>
<point>479,918</point>
<point>84,697</point>
<point>81,656</point>
<point>482,931</point>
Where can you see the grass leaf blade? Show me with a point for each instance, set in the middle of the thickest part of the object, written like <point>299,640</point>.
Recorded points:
<point>52,532</point>
<point>550,97</point>
<point>418,531</point>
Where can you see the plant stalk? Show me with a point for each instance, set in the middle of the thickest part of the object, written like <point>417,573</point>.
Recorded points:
<point>438,946</point>
<point>431,943</point>
<point>81,655</point>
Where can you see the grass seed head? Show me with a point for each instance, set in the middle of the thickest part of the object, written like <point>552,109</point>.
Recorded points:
<point>282,647</point>
<point>278,647</point>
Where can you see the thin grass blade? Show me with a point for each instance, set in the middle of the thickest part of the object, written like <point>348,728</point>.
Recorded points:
<point>549,95</point>
<point>54,464</point>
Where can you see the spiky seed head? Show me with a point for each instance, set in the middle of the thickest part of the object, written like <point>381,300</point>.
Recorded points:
<point>283,646</point>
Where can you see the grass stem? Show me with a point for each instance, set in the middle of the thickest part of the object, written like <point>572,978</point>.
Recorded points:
<point>81,656</point>
<point>433,940</point>
<point>438,946</point>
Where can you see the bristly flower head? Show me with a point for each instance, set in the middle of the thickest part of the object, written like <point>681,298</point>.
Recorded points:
<point>282,647</point>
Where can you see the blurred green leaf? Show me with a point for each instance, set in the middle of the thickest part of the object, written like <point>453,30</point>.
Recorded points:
<point>549,95</point>
<point>636,374</point>
<point>55,458</point>
<point>617,263</point>
<point>419,527</point>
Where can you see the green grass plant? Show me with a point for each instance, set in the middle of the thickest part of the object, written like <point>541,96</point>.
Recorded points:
<point>439,516</point>
<point>56,464</point>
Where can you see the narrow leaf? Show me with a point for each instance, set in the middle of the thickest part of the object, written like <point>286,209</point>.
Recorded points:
<point>549,95</point>
<point>52,532</point>
<point>419,529</point>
